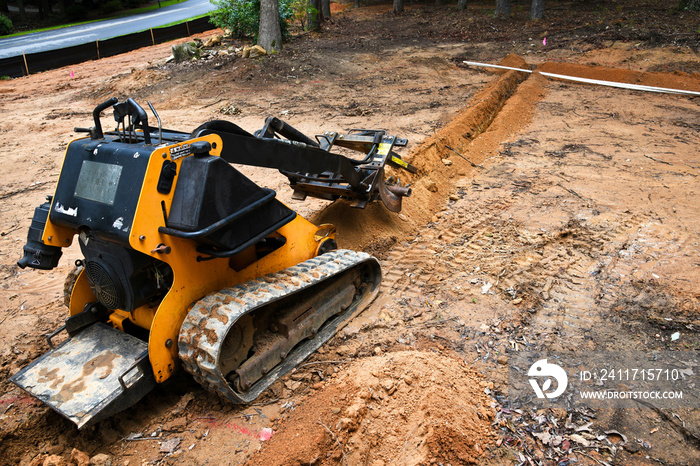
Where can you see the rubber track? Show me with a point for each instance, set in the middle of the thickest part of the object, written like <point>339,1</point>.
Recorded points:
<point>207,324</point>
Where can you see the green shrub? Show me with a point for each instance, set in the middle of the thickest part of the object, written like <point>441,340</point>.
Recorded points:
<point>301,10</point>
<point>112,6</point>
<point>690,5</point>
<point>242,17</point>
<point>286,15</point>
<point>132,3</point>
<point>76,12</point>
<point>5,25</point>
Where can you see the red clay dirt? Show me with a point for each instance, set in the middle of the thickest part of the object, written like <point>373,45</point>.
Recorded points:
<point>573,206</point>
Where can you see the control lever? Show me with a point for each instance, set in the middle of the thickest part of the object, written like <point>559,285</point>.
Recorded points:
<point>138,115</point>
<point>96,132</point>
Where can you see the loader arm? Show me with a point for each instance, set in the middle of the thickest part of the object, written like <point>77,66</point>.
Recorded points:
<point>311,167</point>
<point>287,156</point>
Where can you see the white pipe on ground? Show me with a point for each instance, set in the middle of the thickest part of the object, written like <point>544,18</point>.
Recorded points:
<point>633,87</point>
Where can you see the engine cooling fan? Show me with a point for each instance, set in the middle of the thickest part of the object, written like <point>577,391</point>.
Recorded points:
<point>105,284</point>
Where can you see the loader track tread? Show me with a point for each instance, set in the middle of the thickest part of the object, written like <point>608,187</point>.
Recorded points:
<point>210,319</point>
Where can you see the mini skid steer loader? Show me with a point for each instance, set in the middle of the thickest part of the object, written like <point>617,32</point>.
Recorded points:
<point>188,262</point>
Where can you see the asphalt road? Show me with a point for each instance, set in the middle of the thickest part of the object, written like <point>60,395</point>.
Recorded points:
<point>76,35</point>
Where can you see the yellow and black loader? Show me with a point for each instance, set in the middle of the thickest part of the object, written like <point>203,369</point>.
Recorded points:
<point>187,263</point>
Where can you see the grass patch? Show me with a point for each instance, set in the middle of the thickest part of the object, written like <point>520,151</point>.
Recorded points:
<point>180,22</point>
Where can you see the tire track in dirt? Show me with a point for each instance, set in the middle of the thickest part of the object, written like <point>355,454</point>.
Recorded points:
<point>577,258</point>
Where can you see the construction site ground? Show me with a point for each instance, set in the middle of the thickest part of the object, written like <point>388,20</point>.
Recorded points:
<point>545,215</point>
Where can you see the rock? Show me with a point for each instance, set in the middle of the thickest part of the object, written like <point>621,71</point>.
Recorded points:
<point>182,404</point>
<point>317,386</point>
<point>55,450</point>
<point>357,410</point>
<point>78,458</point>
<point>230,109</point>
<point>213,41</point>
<point>26,458</point>
<point>447,162</point>
<point>176,425</point>
<point>101,459</point>
<point>454,197</point>
<point>257,51</point>
<point>365,394</point>
<point>517,301</point>
<point>335,410</point>
<point>253,52</point>
<point>377,351</point>
<point>38,460</point>
<point>388,384</point>
<point>347,424</point>
<point>186,51</point>
<point>431,186</point>
<point>54,460</point>
<point>502,360</point>
<point>170,445</point>
<point>632,447</point>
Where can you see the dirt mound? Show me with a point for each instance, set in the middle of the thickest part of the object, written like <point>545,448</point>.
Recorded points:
<point>407,407</point>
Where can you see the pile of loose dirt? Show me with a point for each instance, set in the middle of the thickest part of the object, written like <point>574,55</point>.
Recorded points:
<point>406,407</point>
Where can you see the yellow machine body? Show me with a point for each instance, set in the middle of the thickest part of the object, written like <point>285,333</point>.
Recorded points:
<point>188,263</point>
<point>192,278</point>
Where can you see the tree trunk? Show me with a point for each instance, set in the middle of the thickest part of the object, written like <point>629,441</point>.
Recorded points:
<point>3,6</point>
<point>270,34</point>
<point>357,3</point>
<point>45,8</point>
<point>537,11</point>
<point>502,9</point>
<point>22,11</point>
<point>326,9</point>
<point>398,7</point>
<point>439,2</point>
<point>461,5</point>
<point>314,16</point>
